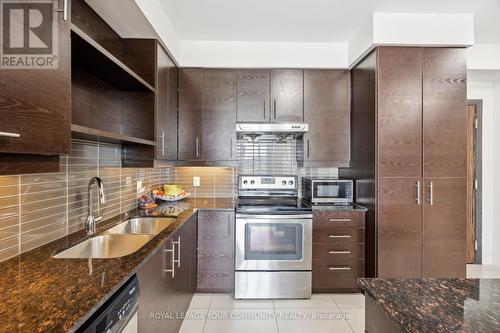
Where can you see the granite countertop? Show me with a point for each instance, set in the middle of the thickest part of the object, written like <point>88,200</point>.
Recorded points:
<point>41,294</point>
<point>438,305</point>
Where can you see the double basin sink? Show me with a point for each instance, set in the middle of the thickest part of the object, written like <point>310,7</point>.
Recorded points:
<point>121,240</point>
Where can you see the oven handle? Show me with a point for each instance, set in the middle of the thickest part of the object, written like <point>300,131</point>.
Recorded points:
<point>274,217</point>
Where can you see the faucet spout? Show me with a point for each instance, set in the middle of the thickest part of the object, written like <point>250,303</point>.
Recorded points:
<point>90,222</point>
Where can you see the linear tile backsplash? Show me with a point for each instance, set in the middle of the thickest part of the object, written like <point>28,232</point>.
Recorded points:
<point>38,208</point>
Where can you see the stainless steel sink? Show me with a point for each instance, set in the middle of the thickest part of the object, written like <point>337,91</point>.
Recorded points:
<point>106,246</point>
<point>148,225</point>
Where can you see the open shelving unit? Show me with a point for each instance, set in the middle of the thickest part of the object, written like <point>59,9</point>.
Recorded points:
<point>112,82</point>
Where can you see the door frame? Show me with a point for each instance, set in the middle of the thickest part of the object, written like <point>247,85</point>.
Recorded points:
<point>478,104</point>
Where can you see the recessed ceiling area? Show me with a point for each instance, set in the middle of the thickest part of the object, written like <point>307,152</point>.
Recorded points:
<point>301,20</point>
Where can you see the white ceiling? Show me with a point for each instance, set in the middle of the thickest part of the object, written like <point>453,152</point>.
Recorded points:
<point>308,20</point>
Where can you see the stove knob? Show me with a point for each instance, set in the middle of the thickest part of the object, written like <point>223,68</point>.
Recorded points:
<point>245,182</point>
<point>283,182</point>
<point>290,182</point>
<point>252,182</point>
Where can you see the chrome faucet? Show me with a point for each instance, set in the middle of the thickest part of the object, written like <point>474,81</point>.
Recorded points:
<point>90,223</point>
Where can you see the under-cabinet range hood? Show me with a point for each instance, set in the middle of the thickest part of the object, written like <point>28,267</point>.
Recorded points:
<point>279,131</point>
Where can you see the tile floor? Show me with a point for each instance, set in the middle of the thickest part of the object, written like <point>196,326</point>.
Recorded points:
<point>339,313</point>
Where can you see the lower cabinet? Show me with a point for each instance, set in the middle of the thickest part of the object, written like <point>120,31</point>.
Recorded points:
<point>338,250</point>
<point>215,251</point>
<point>166,283</point>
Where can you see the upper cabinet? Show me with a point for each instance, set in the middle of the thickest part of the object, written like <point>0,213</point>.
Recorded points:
<point>36,103</point>
<point>327,111</point>
<point>190,114</point>
<point>274,95</point>
<point>253,103</point>
<point>287,95</point>
<point>219,115</point>
<point>166,106</point>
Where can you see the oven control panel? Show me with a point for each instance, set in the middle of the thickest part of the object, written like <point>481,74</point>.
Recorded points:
<point>268,182</point>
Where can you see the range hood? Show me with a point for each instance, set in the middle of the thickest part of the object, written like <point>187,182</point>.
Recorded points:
<point>280,131</point>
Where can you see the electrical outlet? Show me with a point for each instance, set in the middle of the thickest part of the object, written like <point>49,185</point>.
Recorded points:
<point>196,181</point>
<point>128,180</point>
<point>139,186</point>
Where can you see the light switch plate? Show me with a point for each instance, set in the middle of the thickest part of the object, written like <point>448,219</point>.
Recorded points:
<point>196,181</point>
<point>139,186</point>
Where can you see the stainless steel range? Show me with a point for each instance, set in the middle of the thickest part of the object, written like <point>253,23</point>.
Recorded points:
<point>273,256</point>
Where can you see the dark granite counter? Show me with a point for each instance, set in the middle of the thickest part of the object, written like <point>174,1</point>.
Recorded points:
<point>437,305</point>
<point>41,294</point>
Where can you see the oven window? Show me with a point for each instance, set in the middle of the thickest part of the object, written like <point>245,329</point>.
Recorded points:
<point>273,241</point>
<point>329,190</point>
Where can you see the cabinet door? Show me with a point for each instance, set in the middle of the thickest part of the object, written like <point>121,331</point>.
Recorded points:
<point>399,228</point>
<point>400,112</point>
<point>215,251</point>
<point>444,112</point>
<point>253,95</point>
<point>35,104</point>
<point>327,111</point>
<point>287,95</point>
<point>166,106</point>
<point>219,115</point>
<point>190,113</point>
<point>444,227</point>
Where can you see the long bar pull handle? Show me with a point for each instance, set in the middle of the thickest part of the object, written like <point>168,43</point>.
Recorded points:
<point>264,109</point>
<point>162,143</point>
<point>418,199</point>
<point>274,108</point>
<point>172,252</point>
<point>178,243</point>
<point>197,147</point>
<point>431,194</point>
<point>339,220</point>
<point>339,236</point>
<point>339,268</point>
<point>339,252</point>
<point>64,10</point>
<point>308,149</point>
<point>10,135</point>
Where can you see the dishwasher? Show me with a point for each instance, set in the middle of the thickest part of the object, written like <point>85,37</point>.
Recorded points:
<point>118,314</point>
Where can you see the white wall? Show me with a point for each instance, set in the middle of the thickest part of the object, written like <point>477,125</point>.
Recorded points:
<point>489,92</point>
<point>483,57</point>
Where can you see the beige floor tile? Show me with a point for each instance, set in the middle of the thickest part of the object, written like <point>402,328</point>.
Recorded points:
<point>226,301</point>
<point>201,301</point>
<point>356,319</point>
<point>316,301</point>
<point>349,300</point>
<point>241,321</point>
<point>311,320</point>
<point>194,321</point>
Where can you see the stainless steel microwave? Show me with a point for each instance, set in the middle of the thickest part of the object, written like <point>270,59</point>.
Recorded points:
<point>327,191</point>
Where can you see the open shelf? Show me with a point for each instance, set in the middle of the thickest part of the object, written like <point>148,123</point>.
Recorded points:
<point>87,133</point>
<point>91,56</point>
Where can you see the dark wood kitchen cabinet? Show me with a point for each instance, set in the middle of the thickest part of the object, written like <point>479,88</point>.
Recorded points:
<point>190,114</point>
<point>215,251</point>
<point>166,283</point>
<point>338,250</point>
<point>327,111</point>
<point>36,110</point>
<point>166,106</point>
<point>219,115</point>
<point>253,89</point>
<point>410,153</point>
<point>287,95</point>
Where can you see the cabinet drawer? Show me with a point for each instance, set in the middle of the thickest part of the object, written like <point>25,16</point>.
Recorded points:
<point>341,253</point>
<point>345,219</point>
<point>339,236</point>
<point>329,275</point>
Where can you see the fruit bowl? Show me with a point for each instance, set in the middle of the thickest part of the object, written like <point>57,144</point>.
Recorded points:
<point>160,195</point>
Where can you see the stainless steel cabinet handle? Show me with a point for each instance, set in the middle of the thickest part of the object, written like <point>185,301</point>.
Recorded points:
<point>10,135</point>
<point>172,260</point>
<point>64,10</point>
<point>418,192</point>
<point>197,147</point>
<point>339,220</point>
<point>308,149</point>
<point>339,268</point>
<point>340,236</point>
<point>274,108</point>
<point>264,109</point>
<point>431,193</point>
<point>178,243</point>
<point>339,252</point>
<point>162,150</point>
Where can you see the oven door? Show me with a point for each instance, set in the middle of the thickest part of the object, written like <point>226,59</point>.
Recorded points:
<point>273,242</point>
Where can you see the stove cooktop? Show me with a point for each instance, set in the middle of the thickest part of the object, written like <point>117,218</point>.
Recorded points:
<point>272,205</point>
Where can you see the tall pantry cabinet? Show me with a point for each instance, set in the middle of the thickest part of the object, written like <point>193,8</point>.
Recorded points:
<point>416,180</point>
